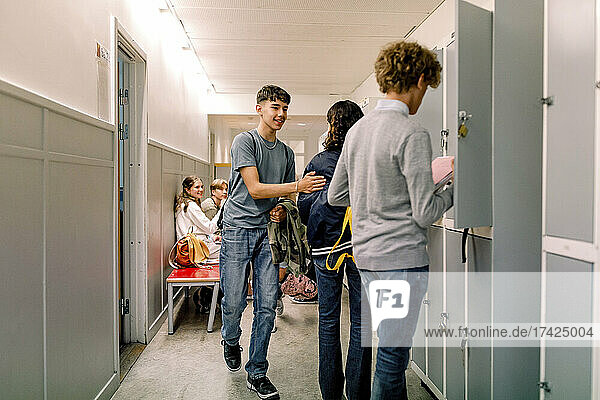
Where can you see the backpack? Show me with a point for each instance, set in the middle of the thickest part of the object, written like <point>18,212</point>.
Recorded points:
<point>188,252</point>
<point>342,257</point>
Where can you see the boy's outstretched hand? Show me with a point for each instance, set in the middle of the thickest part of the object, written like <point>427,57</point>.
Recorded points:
<point>311,183</point>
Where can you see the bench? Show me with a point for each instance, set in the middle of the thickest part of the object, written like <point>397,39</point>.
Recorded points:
<point>194,277</point>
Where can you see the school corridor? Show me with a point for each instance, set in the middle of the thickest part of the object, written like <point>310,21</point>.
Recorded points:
<point>106,106</point>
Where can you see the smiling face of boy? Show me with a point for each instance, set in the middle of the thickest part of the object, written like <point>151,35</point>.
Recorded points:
<point>273,114</point>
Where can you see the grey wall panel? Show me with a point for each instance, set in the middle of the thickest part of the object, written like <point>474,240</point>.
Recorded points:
<point>479,263</point>
<point>154,233</point>
<point>203,169</point>
<point>21,241</point>
<point>80,251</point>
<point>570,140</point>
<point>66,135</point>
<point>455,307</point>
<point>473,165</point>
<point>189,166</point>
<point>172,161</point>
<point>166,169</point>
<point>518,135</point>
<point>170,186</point>
<point>20,123</point>
<point>569,299</point>
<point>435,296</point>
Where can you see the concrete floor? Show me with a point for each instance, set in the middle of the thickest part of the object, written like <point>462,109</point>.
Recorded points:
<point>189,364</point>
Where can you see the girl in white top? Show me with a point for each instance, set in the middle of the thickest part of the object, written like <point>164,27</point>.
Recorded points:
<point>188,214</point>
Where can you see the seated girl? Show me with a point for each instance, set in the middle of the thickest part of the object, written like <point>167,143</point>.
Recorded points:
<point>189,216</point>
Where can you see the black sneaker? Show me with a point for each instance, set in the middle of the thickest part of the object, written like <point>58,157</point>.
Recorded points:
<point>232,356</point>
<point>263,387</point>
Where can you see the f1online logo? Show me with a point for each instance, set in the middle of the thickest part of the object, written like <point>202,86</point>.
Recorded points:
<point>388,300</point>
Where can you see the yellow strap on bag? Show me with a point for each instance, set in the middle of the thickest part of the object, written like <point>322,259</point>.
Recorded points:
<point>197,248</point>
<point>341,258</point>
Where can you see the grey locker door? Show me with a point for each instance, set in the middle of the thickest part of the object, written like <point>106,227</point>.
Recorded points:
<point>569,300</point>
<point>455,308</point>
<point>418,347</point>
<point>473,165</point>
<point>452,106</point>
<point>570,121</point>
<point>479,260</point>
<point>430,114</point>
<point>435,295</point>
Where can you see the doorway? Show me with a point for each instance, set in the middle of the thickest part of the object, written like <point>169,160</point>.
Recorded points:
<point>130,149</point>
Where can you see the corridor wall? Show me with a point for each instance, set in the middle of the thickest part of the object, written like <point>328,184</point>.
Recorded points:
<point>49,48</point>
<point>166,169</point>
<point>57,243</point>
<point>59,205</point>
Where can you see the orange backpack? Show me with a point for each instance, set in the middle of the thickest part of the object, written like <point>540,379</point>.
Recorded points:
<point>188,252</point>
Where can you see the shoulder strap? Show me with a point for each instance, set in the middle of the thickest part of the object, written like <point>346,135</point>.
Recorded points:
<point>340,260</point>
<point>254,147</point>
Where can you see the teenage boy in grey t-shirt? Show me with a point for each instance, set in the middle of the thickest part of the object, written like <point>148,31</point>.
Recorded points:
<point>384,173</point>
<point>262,170</point>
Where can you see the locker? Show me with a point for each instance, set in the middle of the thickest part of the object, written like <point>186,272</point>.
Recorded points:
<point>435,307</point>
<point>455,311</point>
<point>470,104</point>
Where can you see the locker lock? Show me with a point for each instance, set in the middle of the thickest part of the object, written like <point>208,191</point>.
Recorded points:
<point>463,118</point>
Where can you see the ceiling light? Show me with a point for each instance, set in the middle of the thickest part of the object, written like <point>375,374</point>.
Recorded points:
<point>301,124</point>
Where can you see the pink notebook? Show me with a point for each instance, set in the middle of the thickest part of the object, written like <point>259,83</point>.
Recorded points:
<point>441,168</point>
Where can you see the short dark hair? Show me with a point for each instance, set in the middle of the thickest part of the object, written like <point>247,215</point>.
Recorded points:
<point>272,93</point>
<point>400,64</point>
<point>341,116</point>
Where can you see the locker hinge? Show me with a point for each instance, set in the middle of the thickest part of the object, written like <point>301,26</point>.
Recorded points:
<point>124,306</point>
<point>545,386</point>
<point>123,131</point>
<point>124,97</point>
<point>548,101</point>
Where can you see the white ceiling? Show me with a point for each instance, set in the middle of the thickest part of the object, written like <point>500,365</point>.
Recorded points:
<point>305,46</point>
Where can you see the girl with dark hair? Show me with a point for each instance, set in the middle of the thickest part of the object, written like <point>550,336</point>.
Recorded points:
<point>189,215</point>
<point>324,227</point>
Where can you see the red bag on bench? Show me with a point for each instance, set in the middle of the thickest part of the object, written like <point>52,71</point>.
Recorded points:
<point>188,252</point>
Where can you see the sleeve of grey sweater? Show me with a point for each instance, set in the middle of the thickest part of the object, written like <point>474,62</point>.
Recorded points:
<point>338,193</point>
<point>415,165</point>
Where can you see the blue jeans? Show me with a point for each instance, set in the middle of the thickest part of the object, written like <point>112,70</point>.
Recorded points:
<point>241,247</point>
<point>395,335</point>
<point>358,361</point>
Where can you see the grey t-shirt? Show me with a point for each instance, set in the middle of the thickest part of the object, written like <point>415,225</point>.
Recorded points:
<point>275,164</point>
